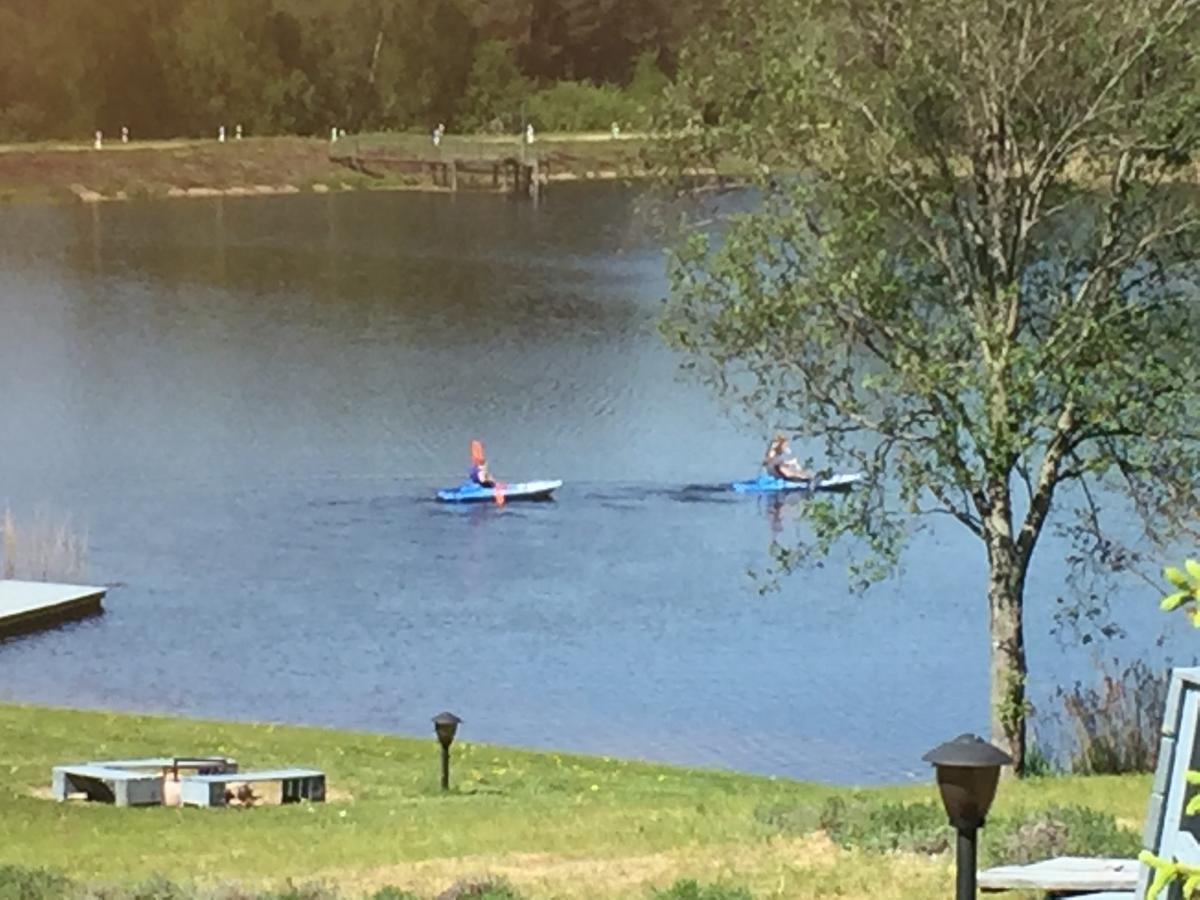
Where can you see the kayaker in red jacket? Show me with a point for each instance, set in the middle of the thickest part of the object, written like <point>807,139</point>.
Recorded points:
<point>780,462</point>
<point>479,470</point>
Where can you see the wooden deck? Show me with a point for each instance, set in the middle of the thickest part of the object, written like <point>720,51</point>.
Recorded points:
<point>504,172</point>
<point>27,606</point>
<point>1064,876</point>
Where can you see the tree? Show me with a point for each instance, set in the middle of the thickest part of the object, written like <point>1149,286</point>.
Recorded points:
<point>222,69</point>
<point>969,268</point>
<point>496,89</point>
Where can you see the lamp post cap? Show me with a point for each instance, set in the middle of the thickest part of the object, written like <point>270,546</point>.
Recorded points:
<point>446,718</point>
<point>968,750</point>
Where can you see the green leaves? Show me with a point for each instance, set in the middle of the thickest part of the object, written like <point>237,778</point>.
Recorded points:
<point>1187,580</point>
<point>926,268</point>
<point>1173,601</point>
<point>962,269</point>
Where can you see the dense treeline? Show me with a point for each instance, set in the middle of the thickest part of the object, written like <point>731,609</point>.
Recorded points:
<point>182,67</point>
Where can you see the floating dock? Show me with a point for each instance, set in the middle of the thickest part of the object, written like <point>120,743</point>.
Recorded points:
<point>27,606</point>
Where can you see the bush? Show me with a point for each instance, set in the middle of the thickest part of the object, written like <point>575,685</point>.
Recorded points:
<point>881,827</point>
<point>392,893</point>
<point>648,82</point>
<point>17,883</point>
<point>496,90</point>
<point>156,888</point>
<point>687,889</point>
<point>300,892</point>
<point>160,887</point>
<point>790,818</point>
<point>859,821</point>
<point>485,889</point>
<point>1061,831</point>
<point>582,106</point>
<point>1038,763</point>
<point>868,824</point>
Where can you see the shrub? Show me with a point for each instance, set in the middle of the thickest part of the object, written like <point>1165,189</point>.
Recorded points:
<point>790,818</point>
<point>582,106</point>
<point>17,883</point>
<point>1039,763</point>
<point>881,826</point>
<point>392,893</point>
<point>647,83</point>
<point>872,825</point>
<point>300,892</point>
<point>484,889</point>
<point>496,90</point>
<point>1061,831</point>
<point>687,889</point>
<point>156,888</point>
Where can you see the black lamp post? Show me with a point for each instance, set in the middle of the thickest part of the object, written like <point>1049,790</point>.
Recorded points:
<point>446,724</point>
<point>968,770</point>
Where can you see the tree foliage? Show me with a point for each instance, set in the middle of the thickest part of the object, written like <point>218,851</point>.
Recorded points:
<point>971,269</point>
<point>186,66</point>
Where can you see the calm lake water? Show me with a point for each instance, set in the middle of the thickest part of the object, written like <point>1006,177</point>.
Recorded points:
<point>249,403</point>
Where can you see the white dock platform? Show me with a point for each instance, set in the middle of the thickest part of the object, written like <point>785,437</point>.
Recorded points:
<point>1064,875</point>
<point>27,606</point>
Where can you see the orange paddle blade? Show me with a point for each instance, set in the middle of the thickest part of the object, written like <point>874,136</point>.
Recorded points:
<point>476,453</point>
<point>499,492</point>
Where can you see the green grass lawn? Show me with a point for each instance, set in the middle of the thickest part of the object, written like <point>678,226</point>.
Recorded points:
<point>555,825</point>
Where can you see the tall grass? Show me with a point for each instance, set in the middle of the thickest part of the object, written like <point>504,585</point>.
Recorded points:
<point>1116,725</point>
<point>44,549</point>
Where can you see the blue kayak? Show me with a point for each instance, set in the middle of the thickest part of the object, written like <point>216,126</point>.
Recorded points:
<point>470,492</point>
<point>769,484</point>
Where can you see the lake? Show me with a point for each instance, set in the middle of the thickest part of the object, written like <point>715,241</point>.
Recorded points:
<point>248,404</point>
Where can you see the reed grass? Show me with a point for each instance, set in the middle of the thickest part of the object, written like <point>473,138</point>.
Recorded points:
<point>44,549</point>
<point>1115,725</point>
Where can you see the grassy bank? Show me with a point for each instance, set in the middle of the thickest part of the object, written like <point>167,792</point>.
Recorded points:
<point>50,172</point>
<point>555,825</point>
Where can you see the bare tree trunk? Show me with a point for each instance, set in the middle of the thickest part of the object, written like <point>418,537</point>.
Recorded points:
<point>1006,601</point>
<point>375,53</point>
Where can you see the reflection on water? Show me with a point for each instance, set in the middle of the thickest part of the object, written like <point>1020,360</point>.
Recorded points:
<point>251,402</point>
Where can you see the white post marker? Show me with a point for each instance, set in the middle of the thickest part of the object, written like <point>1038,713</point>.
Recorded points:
<point>99,141</point>
<point>529,135</point>
<point>333,135</point>
<point>616,131</point>
<point>124,134</point>
<point>221,134</point>
<point>237,132</point>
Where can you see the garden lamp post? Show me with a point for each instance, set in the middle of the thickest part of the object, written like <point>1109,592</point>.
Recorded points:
<point>968,770</point>
<point>446,724</point>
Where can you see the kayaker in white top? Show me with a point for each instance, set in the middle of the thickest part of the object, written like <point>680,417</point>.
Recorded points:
<point>780,463</point>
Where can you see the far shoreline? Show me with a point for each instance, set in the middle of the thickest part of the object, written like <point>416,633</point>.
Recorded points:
<point>285,166</point>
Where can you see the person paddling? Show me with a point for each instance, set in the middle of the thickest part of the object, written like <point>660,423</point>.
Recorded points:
<point>780,463</point>
<point>479,473</point>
